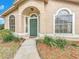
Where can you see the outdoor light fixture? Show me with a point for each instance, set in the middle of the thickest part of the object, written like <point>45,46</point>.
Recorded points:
<point>32,9</point>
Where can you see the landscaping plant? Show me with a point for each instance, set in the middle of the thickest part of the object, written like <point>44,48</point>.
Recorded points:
<point>61,43</point>
<point>47,40</point>
<point>7,35</point>
<point>57,42</point>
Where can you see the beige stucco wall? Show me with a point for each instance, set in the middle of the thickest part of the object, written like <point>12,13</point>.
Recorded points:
<point>20,20</point>
<point>15,13</point>
<point>47,13</point>
<point>51,9</point>
<point>37,4</point>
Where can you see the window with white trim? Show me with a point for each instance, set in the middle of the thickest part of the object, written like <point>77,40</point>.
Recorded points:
<point>12,23</point>
<point>63,21</point>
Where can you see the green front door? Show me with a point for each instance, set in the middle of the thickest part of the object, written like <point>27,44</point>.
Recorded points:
<point>33,27</point>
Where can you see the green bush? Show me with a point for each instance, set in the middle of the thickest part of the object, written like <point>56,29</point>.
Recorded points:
<point>61,43</point>
<point>57,42</point>
<point>7,35</point>
<point>1,26</point>
<point>47,40</point>
<point>74,45</point>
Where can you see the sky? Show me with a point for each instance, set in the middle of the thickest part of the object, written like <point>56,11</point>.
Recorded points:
<point>4,5</point>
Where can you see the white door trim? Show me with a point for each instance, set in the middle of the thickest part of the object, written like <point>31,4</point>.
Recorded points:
<point>37,23</point>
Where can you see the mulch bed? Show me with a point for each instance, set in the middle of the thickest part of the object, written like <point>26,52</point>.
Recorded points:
<point>69,52</point>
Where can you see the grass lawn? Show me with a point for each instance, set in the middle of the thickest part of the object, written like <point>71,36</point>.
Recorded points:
<point>8,50</point>
<point>69,52</point>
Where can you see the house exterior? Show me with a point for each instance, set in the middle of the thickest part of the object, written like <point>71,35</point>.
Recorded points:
<point>44,17</point>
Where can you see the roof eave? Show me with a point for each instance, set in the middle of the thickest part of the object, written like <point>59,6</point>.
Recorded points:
<point>76,2</point>
<point>19,1</point>
<point>8,11</point>
<point>15,5</point>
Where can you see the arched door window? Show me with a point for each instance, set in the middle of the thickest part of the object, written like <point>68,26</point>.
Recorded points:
<point>63,21</point>
<point>12,23</point>
<point>33,16</point>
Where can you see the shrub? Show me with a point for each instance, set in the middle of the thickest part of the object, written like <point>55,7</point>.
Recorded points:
<point>7,35</point>
<point>47,40</point>
<point>57,42</point>
<point>61,43</point>
<point>17,38</point>
<point>1,26</point>
<point>74,45</point>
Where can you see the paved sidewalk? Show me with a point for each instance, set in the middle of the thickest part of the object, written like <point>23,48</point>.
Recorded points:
<point>28,50</point>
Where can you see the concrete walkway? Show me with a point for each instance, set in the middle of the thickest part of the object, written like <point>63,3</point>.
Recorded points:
<point>28,50</point>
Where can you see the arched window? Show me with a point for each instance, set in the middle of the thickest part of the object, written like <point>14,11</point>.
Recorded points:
<point>63,21</point>
<point>12,23</point>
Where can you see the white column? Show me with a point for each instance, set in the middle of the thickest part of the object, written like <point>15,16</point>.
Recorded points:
<point>73,24</point>
<point>20,24</point>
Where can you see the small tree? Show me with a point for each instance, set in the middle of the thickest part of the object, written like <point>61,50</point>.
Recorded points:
<point>1,26</point>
